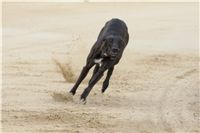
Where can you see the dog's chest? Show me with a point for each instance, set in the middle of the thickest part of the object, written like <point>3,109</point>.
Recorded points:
<point>98,61</point>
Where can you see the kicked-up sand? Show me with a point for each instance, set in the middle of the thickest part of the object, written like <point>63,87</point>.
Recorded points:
<point>154,88</point>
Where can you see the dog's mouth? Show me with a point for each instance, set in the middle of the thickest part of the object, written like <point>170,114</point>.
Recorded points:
<point>112,57</point>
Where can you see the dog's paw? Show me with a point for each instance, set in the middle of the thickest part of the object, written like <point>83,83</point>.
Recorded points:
<point>82,101</point>
<point>72,92</point>
<point>103,90</point>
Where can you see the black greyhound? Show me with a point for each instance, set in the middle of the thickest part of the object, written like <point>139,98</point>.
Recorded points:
<point>105,54</point>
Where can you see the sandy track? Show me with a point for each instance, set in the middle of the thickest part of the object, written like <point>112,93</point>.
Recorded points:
<point>151,91</point>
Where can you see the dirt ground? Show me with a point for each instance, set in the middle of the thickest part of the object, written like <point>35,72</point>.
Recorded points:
<point>154,88</point>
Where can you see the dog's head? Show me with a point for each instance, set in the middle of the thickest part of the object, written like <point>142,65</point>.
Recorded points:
<point>112,46</point>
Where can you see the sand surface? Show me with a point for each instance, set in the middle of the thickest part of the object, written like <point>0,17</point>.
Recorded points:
<point>154,88</point>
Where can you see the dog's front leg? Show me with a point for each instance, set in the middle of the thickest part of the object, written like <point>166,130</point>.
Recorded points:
<point>83,74</point>
<point>106,81</point>
<point>92,82</point>
<point>95,71</point>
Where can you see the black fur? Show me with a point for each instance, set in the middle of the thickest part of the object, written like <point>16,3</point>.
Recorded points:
<point>109,47</point>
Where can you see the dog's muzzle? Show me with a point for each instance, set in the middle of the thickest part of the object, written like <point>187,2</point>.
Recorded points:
<point>114,52</point>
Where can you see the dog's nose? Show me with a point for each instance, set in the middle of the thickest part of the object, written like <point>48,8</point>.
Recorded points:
<point>115,50</point>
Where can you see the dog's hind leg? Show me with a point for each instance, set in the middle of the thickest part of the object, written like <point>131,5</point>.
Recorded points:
<point>106,81</point>
<point>95,71</point>
<point>83,74</point>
